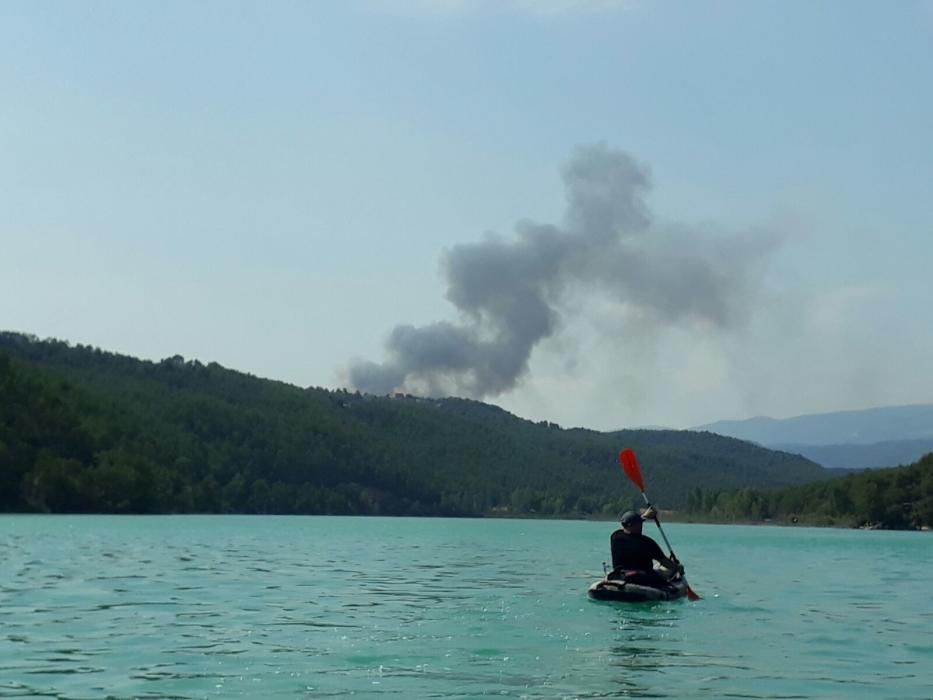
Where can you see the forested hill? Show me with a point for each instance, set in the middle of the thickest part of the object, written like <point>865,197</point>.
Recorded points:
<point>899,498</point>
<point>83,430</point>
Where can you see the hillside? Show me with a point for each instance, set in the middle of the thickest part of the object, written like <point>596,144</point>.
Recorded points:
<point>83,430</point>
<point>899,498</point>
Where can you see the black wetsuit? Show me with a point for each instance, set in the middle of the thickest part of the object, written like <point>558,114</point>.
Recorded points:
<point>631,552</point>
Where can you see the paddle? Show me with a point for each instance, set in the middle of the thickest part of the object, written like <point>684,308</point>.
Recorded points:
<point>630,467</point>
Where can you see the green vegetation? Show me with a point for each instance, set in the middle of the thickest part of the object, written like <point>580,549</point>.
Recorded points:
<point>898,498</point>
<point>82,430</point>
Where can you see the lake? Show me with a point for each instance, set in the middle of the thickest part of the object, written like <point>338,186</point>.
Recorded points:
<point>329,607</point>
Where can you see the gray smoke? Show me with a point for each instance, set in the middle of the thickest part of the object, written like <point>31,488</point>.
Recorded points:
<point>509,292</point>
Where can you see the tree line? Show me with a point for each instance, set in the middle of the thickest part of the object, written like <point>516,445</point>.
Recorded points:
<point>897,498</point>
<point>85,430</point>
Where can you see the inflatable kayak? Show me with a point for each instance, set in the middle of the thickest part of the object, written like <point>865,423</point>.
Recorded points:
<point>627,592</point>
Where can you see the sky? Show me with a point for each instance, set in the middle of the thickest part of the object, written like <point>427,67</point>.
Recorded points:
<point>603,214</point>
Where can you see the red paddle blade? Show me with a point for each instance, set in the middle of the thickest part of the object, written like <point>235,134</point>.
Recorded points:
<point>691,596</point>
<point>630,467</point>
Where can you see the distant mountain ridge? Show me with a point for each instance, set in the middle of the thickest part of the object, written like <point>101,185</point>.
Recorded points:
<point>891,453</point>
<point>859,439</point>
<point>861,427</point>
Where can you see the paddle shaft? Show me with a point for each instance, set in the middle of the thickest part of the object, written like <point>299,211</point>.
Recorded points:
<point>658,523</point>
<point>691,594</point>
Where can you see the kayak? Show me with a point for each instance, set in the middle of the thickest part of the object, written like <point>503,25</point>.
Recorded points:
<point>626,592</point>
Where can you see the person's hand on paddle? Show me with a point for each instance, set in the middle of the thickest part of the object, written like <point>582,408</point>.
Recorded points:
<point>649,513</point>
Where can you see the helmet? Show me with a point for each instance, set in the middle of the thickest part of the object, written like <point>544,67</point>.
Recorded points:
<point>630,517</point>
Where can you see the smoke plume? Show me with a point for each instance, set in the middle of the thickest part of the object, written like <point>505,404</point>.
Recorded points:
<point>509,293</point>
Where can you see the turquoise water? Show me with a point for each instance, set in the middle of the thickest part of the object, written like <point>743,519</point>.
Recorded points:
<point>292,607</point>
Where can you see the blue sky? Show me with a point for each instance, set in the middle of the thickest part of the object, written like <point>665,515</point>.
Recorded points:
<point>277,186</point>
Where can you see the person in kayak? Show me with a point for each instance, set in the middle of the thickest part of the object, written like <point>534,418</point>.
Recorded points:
<point>634,554</point>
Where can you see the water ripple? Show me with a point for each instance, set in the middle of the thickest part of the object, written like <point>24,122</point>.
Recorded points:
<point>283,607</point>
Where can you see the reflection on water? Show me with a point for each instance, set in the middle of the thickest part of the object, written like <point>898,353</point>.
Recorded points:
<point>644,644</point>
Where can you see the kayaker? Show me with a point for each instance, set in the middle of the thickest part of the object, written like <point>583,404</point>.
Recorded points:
<point>634,554</point>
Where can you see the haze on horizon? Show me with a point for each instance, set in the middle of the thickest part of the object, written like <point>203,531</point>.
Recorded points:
<point>603,214</point>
